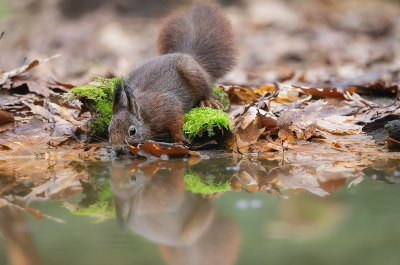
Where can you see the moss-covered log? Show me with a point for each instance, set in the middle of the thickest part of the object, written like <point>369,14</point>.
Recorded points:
<point>199,121</point>
<point>98,97</point>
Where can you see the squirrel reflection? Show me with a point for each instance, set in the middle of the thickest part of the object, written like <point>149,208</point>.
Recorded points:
<point>151,201</point>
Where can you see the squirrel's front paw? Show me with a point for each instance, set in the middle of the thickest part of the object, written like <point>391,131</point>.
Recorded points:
<point>180,139</point>
<point>211,103</point>
<point>183,140</point>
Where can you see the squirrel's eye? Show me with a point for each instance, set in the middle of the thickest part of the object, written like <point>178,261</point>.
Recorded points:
<point>133,179</point>
<point>132,131</point>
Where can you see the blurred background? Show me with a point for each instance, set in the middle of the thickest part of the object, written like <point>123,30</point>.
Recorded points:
<point>324,42</point>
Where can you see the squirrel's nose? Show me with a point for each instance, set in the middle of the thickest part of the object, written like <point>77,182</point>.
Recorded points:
<point>120,150</point>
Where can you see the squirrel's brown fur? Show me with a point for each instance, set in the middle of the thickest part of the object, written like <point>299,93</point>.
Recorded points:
<point>204,33</point>
<point>196,48</point>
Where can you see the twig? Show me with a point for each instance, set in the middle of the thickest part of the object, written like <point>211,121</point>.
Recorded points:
<point>266,100</point>
<point>391,139</point>
<point>244,185</point>
<point>276,93</point>
<point>259,116</point>
<point>363,151</point>
<point>237,147</point>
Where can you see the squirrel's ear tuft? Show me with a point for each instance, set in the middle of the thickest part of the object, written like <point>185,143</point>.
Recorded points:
<point>118,100</point>
<point>132,106</point>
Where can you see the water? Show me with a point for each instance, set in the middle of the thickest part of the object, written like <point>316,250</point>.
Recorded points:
<point>140,212</point>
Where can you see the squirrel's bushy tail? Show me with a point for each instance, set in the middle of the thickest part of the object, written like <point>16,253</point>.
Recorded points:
<point>203,32</point>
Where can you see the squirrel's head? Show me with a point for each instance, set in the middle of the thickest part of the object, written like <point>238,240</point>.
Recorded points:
<point>125,125</point>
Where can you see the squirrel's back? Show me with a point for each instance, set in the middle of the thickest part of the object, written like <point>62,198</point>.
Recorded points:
<point>203,32</point>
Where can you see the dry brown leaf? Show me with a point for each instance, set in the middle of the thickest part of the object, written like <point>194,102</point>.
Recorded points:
<point>369,115</point>
<point>338,126</point>
<point>290,93</point>
<point>262,118</point>
<point>303,122</point>
<point>264,89</point>
<point>327,92</point>
<point>249,127</point>
<point>66,114</point>
<point>379,88</point>
<point>159,149</point>
<point>6,75</point>
<point>32,138</point>
<point>241,95</point>
<point>6,117</point>
<point>39,85</point>
<point>357,100</point>
<point>61,126</point>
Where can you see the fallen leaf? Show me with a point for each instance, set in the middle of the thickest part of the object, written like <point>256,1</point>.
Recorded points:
<point>6,117</point>
<point>357,100</point>
<point>337,127</point>
<point>303,122</point>
<point>6,75</point>
<point>248,128</point>
<point>241,95</point>
<point>327,92</point>
<point>27,139</point>
<point>40,85</point>
<point>159,149</point>
<point>66,114</point>
<point>380,89</point>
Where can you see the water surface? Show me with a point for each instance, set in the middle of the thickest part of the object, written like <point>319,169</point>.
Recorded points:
<point>129,211</point>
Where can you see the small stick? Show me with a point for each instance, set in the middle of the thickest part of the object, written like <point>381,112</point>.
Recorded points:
<point>391,139</point>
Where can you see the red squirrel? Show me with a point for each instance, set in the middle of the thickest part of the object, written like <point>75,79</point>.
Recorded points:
<point>196,48</point>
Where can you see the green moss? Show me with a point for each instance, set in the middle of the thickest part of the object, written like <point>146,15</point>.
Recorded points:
<point>200,120</point>
<point>196,184</point>
<point>103,117</point>
<point>222,97</point>
<point>99,96</point>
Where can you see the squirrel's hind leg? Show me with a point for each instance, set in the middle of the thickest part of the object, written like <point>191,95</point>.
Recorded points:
<point>198,81</point>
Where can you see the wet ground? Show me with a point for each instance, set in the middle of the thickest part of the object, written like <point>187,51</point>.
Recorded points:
<point>256,211</point>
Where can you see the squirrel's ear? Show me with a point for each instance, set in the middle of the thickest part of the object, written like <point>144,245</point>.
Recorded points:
<point>132,106</point>
<point>118,97</point>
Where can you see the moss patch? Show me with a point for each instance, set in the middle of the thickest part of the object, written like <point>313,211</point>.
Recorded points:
<point>99,96</point>
<point>222,97</point>
<point>200,120</point>
<point>196,184</point>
